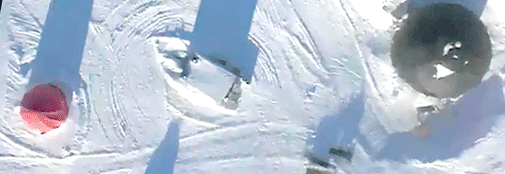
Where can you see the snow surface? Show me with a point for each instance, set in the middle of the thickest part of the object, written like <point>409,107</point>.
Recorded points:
<point>320,77</point>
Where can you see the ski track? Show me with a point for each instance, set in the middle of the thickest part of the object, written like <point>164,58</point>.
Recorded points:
<point>223,142</point>
<point>24,33</point>
<point>268,71</point>
<point>120,120</point>
<point>153,25</point>
<point>183,115</point>
<point>311,46</point>
<point>218,135</point>
<point>24,36</point>
<point>214,130</point>
<point>17,143</point>
<point>39,25</point>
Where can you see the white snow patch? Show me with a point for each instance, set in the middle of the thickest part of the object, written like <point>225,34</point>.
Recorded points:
<point>310,62</point>
<point>388,93</point>
<point>442,71</point>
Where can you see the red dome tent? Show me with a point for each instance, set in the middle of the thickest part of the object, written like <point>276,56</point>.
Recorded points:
<point>44,107</point>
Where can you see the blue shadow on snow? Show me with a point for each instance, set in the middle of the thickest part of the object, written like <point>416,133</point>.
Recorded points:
<point>472,119</point>
<point>339,131</point>
<point>61,45</point>
<point>221,35</point>
<point>164,157</point>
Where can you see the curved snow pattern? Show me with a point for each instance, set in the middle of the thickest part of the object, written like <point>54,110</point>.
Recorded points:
<point>310,67</point>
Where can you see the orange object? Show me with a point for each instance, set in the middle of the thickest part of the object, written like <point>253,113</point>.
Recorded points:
<point>44,107</point>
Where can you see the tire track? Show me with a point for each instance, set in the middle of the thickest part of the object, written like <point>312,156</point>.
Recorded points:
<point>148,20</point>
<point>221,138</point>
<point>97,31</point>
<point>222,141</point>
<point>162,17</point>
<point>355,34</point>
<point>120,121</point>
<point>275,20</point>
<point>190,111</point>
<point>214,130</point>
<point>145,19</point>
<point>113,12</point>
<point>153,21</point>
<point>116,171</point>
<point>316,52</point>
<point>314,49</point>
<point>298,63</point>
<point>19,144</point>
<point>189,118</point>
<point>311,47</point>
<point>84,104</point>
<point>221,158</point>
<point>101,123</point>
<point>34,160</point>
<point>24,33</point>
<point>268,71</point>
<point>35,19</point>
<point>187,108</point>
<point>115,158</point>
<point>14,79</point>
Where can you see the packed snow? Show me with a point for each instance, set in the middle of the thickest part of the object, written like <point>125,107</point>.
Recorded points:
<point>249,86</point>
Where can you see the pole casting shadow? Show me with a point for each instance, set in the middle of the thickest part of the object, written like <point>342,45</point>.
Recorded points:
<point>472,119</point>
<point>338,132</point>
<point>220,34</point>
<point>61,45</point>
<point>164,157</point>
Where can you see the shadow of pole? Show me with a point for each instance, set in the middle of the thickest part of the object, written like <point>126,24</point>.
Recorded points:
<point>335,134</point>
<point>221,35</point>
<point>61,45</point>
<point>164,157</point>
<point>473,118</point>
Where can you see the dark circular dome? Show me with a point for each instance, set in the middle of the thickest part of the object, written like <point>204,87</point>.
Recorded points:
<point>443,34</point>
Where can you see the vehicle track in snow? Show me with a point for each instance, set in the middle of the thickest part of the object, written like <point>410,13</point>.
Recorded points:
<point>116,38</point>
<point>160,18</point>
<point>268,72</point>
<point>150,20</point>
<point>120,120</point>
<point>224,150</point>
<point>24,33</point>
